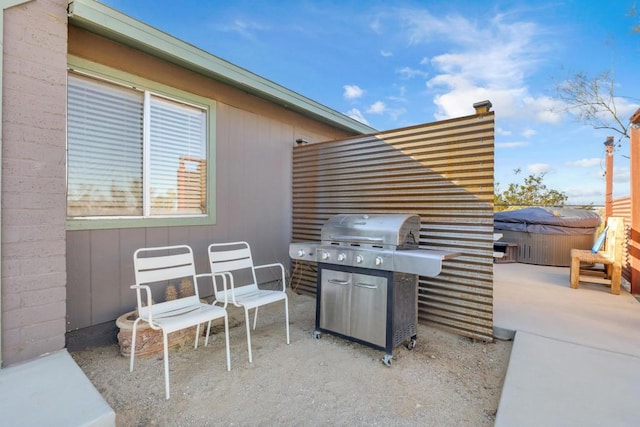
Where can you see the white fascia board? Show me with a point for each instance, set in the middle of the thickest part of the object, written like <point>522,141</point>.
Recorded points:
<point>114,25</point>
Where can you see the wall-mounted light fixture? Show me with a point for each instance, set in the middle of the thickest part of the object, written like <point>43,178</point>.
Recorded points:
<point>301,141</point>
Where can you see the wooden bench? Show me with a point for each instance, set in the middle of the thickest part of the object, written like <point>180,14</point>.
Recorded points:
<point>604,266</point>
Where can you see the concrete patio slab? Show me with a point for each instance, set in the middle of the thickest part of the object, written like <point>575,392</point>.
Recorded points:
<point>555,383</point>
<point>51,391</point>
<point>576,354</point>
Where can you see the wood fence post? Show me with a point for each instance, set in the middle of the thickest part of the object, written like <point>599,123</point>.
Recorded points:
<point>608,194</point>
<point>634,242</point>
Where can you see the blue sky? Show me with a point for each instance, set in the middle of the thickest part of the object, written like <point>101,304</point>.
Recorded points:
<point>392,64</point>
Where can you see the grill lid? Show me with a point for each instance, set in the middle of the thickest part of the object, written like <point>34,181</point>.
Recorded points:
<point>377,230</point>
<point>378,241</point>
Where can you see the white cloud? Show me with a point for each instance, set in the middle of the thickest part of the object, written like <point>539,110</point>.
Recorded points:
<point>377,107</point>
<point>545,109</point>
<point>503,132</point>
<point>397,98</point>
<point>489,61</point>
<point>352,92</point>
<point>621,175</point>
<point>514,144</point>
<point>528,133</point>
<point>409,73</point>
<point>538,168</point>
<point>395,113</point>
<point>385,53</point>
<point>585,194</point>
<point>585,163</point>
<point>246,29</point>
<point>376,26</point>
<point>625,108</point>
<point>356,114</point>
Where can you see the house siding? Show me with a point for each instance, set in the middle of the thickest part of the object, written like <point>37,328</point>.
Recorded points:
<point>33,180</point>
<point>253,149</point>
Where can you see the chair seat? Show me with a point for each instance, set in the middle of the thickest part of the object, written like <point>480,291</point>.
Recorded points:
<point>260,297</point>
<point>200,314</point>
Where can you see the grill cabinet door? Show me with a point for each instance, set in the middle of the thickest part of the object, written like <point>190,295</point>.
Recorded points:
<point>335,301</point>
<point>369,309</point>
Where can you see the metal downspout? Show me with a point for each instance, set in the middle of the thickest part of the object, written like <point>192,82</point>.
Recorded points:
<point>6,4</point>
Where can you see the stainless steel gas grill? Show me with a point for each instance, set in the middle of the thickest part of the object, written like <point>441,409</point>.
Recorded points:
<point>368,268</point>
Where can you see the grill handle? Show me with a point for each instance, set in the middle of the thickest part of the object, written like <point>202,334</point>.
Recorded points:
<point>339,282</point>
<point>347,238</point>
<point>366,285</point>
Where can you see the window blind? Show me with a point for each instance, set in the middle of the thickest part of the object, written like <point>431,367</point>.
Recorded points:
<point>178,158</point>
<point>104,149</point>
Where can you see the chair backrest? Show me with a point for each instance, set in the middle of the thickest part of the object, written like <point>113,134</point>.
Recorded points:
<point>169,271</point>
<point>234,258</point>
<point>614,242</point>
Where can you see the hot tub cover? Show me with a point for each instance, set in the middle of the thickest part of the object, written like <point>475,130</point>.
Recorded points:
<point>548,221</point>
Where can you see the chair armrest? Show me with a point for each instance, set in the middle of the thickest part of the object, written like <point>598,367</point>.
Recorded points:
<point>215,288</point>
<point>282,270</point>
<point>198,276</point>
<point>147,290</point>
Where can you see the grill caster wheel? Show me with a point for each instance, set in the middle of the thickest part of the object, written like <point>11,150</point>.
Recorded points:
<point>387,359</point>
<point>411,344</point>
<point>316,335</point>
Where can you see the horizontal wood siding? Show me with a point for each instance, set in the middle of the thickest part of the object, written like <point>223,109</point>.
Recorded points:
<point>442,171</point>
<point>253,200</point>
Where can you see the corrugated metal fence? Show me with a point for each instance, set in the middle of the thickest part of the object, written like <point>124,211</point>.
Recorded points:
<point>442,171</point>
<point>622,208</point>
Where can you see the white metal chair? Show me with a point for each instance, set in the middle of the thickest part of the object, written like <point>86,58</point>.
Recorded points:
<point>234,261</point>
<point>155,270</point>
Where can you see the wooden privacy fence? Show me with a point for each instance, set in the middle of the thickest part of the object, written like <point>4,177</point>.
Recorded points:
<point>442,171</point>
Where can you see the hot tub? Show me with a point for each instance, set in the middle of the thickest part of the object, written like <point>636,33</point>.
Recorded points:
<point>545,236</point>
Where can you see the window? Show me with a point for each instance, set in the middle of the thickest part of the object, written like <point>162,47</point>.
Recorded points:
<point>133,153</point>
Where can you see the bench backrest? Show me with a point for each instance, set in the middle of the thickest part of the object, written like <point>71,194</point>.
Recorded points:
<point>614,242</point>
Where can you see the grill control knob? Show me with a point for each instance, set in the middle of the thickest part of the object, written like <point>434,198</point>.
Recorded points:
<point>378,260</point>
<point>300,252</point>
<point>341,256</point>
<point>325,256</point>
<point>359,259</point>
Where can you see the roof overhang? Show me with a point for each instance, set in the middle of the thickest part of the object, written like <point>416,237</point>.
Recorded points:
<point>114,25</point>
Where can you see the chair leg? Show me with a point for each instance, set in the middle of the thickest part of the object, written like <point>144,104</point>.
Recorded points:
<point>255,319</point>
<point>246,321</point>
<point>165,342</point>
<point>197,335</point>
<point>575,272</point>
<point>133,344</point>
<point>226,339</point>
<point>206,340</point>
<point>286,317</point>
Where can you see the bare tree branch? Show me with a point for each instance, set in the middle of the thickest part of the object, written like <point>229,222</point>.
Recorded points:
<point>592,101</point>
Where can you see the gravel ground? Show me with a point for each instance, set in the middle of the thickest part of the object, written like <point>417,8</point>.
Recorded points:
<point>446,380</point>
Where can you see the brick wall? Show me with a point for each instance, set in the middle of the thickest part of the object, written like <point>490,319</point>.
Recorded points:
<point>33,180</point>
